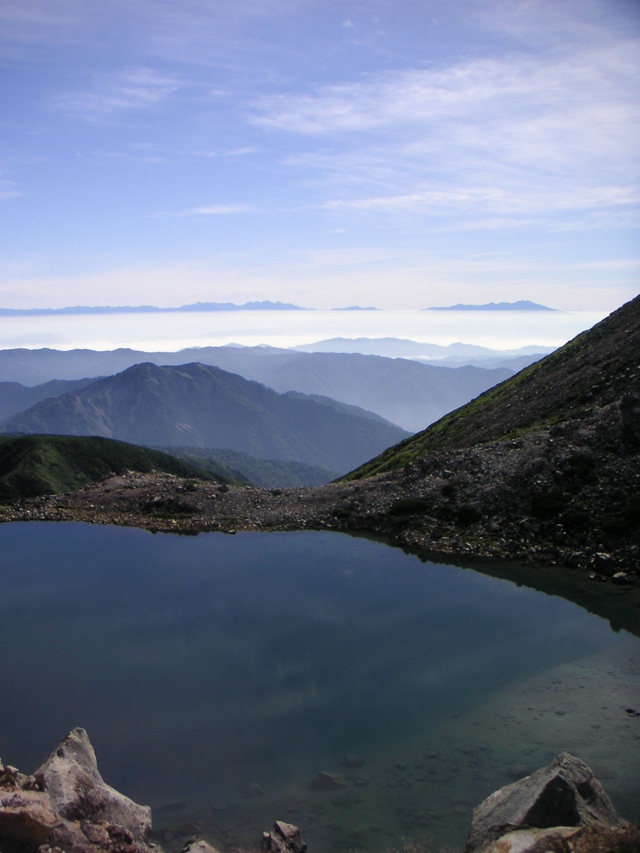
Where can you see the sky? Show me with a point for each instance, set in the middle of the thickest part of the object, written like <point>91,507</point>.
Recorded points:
<point>400,154</point>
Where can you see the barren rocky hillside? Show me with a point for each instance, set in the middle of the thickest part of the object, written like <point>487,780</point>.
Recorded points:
<point>598,368</point>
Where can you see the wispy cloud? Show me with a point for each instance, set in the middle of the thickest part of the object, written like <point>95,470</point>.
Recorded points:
<point>240,152</point>
<point>133,89</point>
<point>519,203</point>
<point>516,134</point>
<point>8,190</point>
<point>31,23</point>
<point>209,210</point>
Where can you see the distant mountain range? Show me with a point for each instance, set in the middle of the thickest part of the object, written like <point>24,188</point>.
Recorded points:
<point>407,393</point>
<point>544,468</point>
<point>452,355</point>
<point>196,405</point>
<point>265,305</point>
<point>146,309</point>
<point>15,397</point>
<point>522,305</point>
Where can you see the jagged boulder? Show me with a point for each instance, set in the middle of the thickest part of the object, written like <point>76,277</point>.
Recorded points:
<point>71,779</point>
<point>283,838</point>
<point>564,794</point>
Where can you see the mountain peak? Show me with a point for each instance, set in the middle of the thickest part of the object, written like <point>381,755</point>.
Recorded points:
<point>521,305</point>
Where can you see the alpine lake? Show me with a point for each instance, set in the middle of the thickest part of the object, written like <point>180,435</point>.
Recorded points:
<point>218,675</point>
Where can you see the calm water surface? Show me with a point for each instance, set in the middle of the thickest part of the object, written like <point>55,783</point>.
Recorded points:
<point>217,675</point>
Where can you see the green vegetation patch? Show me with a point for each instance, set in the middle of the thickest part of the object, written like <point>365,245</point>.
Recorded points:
<point>33,465</point>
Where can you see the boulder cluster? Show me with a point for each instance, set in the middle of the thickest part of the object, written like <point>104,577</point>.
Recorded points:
<point>66,807</point>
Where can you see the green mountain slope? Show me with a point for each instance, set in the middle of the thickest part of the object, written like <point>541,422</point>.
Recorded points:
<point>195,405</point>
<point>34,465</point>
<point>598,367</point>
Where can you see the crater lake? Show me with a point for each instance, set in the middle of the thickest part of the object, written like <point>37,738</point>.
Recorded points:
<point>217,676</point>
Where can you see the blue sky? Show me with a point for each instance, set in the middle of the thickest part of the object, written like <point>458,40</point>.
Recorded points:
<point>397,154</point>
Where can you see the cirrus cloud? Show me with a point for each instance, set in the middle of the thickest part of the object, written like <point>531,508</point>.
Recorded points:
<point>133,89</point>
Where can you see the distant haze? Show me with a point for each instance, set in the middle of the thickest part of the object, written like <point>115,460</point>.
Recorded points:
<point>175,330</point>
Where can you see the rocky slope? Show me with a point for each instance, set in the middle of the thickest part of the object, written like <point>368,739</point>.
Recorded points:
<point>576,383</point>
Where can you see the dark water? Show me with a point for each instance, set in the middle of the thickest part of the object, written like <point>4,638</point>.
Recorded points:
<point>216,675</point>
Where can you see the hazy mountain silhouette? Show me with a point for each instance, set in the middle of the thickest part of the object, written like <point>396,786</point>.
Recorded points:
<point>196,405</point>
<point>404,392</point>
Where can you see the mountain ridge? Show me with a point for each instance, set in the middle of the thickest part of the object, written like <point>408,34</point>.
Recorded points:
<point>598,366</point>
<point>196,405</point>
<point>265,305</point>
<point>520,305</point>
<point>36,465</point>
<point>405,392</point>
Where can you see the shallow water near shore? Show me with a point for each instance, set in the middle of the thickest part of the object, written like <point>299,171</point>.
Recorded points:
<point>218,675</point>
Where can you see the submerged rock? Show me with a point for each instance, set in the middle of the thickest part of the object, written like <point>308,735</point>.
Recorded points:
<point>327,782</point>
<point>198,845</point>
<point>352,760</point>
<point>564,794</point>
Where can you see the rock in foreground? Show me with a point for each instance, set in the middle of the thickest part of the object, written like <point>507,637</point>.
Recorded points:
<point>283,838</point>
<point>66,805</point>
<point>543,811</point>
<point>70,776</point>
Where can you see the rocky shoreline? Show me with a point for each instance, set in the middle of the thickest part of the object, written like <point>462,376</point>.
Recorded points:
<point>66,807</point>
<point>562,496</point>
